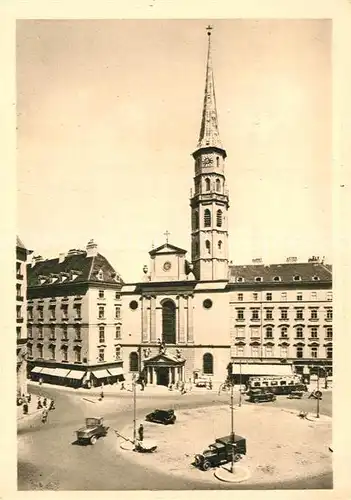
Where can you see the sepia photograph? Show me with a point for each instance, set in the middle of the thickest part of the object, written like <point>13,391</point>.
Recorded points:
<point>174,260</point>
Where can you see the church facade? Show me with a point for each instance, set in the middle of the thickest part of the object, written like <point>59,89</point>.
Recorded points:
<point>195,317</point>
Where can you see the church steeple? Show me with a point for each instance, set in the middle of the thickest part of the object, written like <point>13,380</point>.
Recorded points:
<point>209,131</point>
<point>209,202</point>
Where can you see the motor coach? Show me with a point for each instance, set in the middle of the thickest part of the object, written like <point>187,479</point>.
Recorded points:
<point>277,384</point>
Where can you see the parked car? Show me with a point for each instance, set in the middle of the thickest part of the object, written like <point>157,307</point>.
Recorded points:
<point>220,452</point>
<point>93,429</point>
<point>298,391</point>
<point>161,417</point>
<point>261,395</point>
<point>202,381</point>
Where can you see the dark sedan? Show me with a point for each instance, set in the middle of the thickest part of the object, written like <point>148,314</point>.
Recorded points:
<point>161,417</point>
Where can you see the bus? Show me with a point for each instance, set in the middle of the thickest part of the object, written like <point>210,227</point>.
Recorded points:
<point>284,384</point>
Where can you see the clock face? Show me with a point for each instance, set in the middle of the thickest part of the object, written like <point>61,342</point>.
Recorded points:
<point>167,266</point>
<point>207,160</point>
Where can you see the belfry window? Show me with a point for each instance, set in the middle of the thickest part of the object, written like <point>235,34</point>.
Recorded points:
<point>217,161</point>
<point>208,246</point>
<point>218,185</point>
<point>219,218</point>
<point>207,184</point>
<point>219,245</point>
<point>196,219</point>
<point>169,322</point>
<point>207,218</point>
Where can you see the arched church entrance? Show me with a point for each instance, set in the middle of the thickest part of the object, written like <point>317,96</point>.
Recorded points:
<point>162,375</point>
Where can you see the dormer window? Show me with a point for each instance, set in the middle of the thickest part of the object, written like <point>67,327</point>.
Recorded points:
<point>297,278</point>
<point>240,279</point>
<point>42,280</point>
<point>74,275</point>
<point>100,275</point>
<point>315,278</point>
<point>277,278</point>
<point>64,277</point>
<point>258,279</point>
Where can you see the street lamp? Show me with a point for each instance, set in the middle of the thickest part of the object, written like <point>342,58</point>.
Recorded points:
<point>134,407</point>
<point>240,383</point>
<point>232,432</point>
<point>318,391</point>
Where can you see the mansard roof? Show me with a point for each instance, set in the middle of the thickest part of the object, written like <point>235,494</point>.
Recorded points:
<point>290,272</point>
<point>85,269</point>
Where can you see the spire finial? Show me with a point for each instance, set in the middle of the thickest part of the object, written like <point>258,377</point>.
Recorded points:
<point>167,234</point>
<point>209,133</point>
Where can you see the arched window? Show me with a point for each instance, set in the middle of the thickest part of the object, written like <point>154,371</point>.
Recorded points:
<point>78,354</point>
<point>218,185</point>
<point>168,322</point>
<point>133,362</point>
<point>220,245</point>
<point>207,184</point>
<point>217,161</point>
<point>207,218</point>
<point>219,218</point>
<point>207,364</point>
<point>208,246</point>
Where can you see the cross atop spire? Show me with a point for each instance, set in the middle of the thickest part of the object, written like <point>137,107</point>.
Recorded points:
<point>209,133</point>
<point>167,233</point>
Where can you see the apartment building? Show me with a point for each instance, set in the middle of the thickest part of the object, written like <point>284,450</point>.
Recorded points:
<point>74,319</point>
<point>21,315</point>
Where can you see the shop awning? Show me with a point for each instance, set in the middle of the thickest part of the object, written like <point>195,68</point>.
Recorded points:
<point>37,369</point>
<point>103,373</point>
<point>61,372</point>
<point>75,374</point>
<point>48,371</point>
<point>262,369</point>
<point>116,370</point>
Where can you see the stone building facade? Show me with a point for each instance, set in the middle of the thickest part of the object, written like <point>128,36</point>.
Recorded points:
<point>207,316</point>
<point>74,319</point>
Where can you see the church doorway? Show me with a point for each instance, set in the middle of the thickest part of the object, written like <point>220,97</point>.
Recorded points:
<point>162,373</point>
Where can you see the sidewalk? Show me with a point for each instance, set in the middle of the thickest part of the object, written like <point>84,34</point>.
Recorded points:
<point>32,410</point>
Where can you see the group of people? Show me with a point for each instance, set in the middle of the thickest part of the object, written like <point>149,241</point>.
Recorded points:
<point>180,386</point>
<point>42,404</point>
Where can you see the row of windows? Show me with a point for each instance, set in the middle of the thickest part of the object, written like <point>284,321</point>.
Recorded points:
<point>299,314</point>
<point>64,332</point>
<point>284,296</point>
<point>63,353</point>
<point>283,332</point>
<point>269,351</point>
<point>65,312</point>
<point>258,279</point>
<point>217,185</point>
<point>208,218</point>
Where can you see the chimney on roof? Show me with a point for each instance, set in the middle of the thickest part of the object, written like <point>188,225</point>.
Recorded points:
<point>62,257</point>
<point>291,259</point>
<point>36,259</point>
<point>257,261</point>
<point>92,248</point>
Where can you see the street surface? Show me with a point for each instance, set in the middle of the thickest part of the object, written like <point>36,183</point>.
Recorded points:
<point>48,459</point>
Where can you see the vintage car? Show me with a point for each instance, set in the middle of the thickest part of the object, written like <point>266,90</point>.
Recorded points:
<point>261,395</point>
<point>298,391</point>
<point>220,452</point>
<point>161,417</point>
<point>93,429</point>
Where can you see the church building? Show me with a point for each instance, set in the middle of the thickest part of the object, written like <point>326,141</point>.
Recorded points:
<point>191,317</point>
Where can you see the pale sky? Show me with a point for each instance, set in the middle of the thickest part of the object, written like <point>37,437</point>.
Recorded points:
<point>109,113</point>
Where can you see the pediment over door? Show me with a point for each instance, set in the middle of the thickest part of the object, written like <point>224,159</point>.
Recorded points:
<point>164,360</point>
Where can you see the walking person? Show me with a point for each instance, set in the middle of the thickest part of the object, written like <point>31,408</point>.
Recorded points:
<point>25,408</point>
<point>44,416</point>
<point>52,405</point>
<point>45,402</point>
<point>39,405</point>
<point>141,432</point>
<point>29,398</point>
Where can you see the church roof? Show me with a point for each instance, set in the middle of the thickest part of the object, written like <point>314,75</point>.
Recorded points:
<point>86,269</point>
<point>167,248</point>
<point>290,272</point>
<point>209,131</point>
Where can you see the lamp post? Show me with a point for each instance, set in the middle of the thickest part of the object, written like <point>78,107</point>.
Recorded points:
<point>134,408</point>
<point>232,434</point>
<point>318,391</point>
<point>240,383</point>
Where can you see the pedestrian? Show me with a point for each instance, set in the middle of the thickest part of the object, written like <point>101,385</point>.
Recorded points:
<point>44,416</point>
<point>142,383</point>
<point>122,388</point>
<point>190,385</point>
<point>101,395</point>
<point>141,432</point>
<point>40,380</point>
<point>52,405</point>
<point>210,384</point>
<point>29,398</point>
<point>45,402</point>
<point>39,405</point>
<point>170,387</point>
<point>25,408</point>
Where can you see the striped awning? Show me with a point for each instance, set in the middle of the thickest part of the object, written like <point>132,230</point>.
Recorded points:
<point>48,371</point>
<point>116,370</point>
<point>37,369</point>
<point>76,374</point>
<point>261,369</point>
<point>61,372</point>
<point>103,373</point>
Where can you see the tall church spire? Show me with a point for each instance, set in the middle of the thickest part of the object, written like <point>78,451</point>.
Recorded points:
<point>209,132</point>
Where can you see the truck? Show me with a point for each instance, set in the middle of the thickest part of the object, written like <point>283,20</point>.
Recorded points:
<point>221,452</point>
